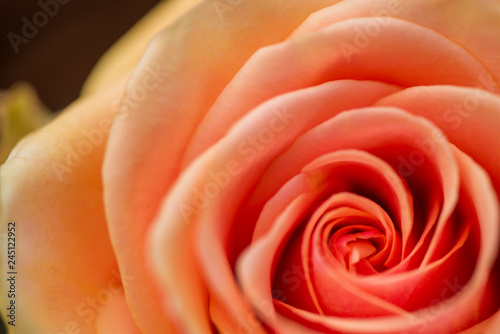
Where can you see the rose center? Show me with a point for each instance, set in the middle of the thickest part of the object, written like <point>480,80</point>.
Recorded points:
<point>354,250</point>
<point>355,247</point>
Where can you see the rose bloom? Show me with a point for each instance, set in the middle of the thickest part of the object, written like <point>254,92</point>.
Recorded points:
<point>269,166</point>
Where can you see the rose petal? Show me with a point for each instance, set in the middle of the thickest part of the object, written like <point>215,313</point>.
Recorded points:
<point>468,117</point>
<point>451,19</point>
<point>323,56</point>
<point>51,187</point>
<point>117,318</point>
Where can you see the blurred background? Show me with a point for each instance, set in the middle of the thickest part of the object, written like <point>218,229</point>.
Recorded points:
<point>53,44</point>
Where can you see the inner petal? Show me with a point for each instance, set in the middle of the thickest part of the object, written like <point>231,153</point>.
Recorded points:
<point>354,247</point>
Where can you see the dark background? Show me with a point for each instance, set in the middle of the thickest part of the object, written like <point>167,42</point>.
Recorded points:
<point>58,57</point>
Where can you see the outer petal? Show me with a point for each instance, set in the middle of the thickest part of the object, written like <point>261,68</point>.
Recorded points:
<point>449,18</point>
<point>51,188</point>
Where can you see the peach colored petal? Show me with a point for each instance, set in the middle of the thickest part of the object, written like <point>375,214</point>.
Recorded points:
<point>274,206</point>
<point>468,117</point>
<point>51,187</point>
<point>397,197</point>
<point>208,236</point>
<point>449,18</point>
<point>256,264</point>
<point>308,151</point>
<point>426,274</point>
<point>321,56</point>
<point>334,135</point>
<point>331,98</point>
<point>116,318</point>
<point>323,102</point>
<point>173,247</point>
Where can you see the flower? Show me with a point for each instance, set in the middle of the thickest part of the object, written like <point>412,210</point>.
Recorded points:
<point>288,167</point>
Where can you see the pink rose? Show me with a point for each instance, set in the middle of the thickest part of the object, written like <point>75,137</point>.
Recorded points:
<point>274,167</point>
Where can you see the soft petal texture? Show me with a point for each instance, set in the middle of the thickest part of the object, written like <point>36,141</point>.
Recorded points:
<point>462,114</point>
<point>448,18</point>
<point>64,254</point>
<point>273,70</point>
<point>494,324</point>
<point>117,318</point>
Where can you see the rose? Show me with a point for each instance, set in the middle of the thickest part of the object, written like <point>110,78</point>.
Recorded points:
<point>253,198</point>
